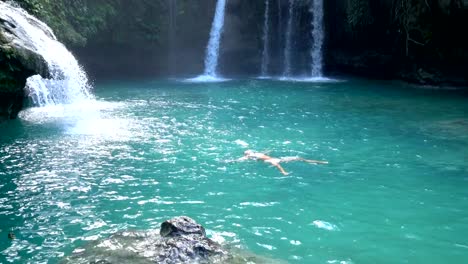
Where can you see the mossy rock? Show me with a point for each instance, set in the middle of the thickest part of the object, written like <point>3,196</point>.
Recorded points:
<point>18,62</point>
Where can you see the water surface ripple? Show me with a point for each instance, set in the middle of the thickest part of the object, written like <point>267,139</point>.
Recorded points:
<point>395,190</point>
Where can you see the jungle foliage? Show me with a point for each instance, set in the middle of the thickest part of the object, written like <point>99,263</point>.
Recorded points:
<point>75,22</point>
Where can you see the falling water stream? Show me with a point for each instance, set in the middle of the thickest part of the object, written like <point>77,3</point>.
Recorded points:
<point>317,38</point>
<point>68,82</point>
<point>172,30</point>
<point>212,50</point>
<point>287,48</point>
<point>266,40</point>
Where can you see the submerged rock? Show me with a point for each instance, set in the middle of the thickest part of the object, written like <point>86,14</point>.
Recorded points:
<point>179,240</point>
<point>18,61</point>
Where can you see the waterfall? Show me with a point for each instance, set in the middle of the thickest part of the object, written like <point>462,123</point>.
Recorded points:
<point>280,32</point>
<point>266,40</point>
<point>316,10</point>
<point>212,50</point>
<point>68,82</point>
<point>172,28</point>
<point>287,48</point>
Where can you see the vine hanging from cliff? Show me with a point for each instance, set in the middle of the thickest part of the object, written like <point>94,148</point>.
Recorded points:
<point>359,15</point>
<point>415,28</point>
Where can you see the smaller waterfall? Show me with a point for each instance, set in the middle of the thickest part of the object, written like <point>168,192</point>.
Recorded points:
<point>172,28</point>
<point>316,10</point>
<point>266,40</point>
<point>287,49</point>
<point>279,33</point>
<point>68,82</point>
<point>212,50</point>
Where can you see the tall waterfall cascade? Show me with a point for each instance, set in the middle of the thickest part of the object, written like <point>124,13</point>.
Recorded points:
<point>172,30</point>
<point>266,40</point>
<point>68,82</point>
<point>316,53</point>
<point>287,49</point>
<point>212,50</point>
<point>279,32</point>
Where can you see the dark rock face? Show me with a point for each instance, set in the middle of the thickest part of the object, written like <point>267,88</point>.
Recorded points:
<point>367,63</point>
<point>184,240</point>
<point>180,240</point>
<point>18,61</point>
<point>416,41</point>
<point>180,226</point>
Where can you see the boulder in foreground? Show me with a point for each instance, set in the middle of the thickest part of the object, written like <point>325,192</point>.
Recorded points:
<point>179,240</point>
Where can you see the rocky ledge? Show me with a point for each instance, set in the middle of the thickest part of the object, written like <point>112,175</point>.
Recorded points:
<point>18,61</point>
<point>179,240</point>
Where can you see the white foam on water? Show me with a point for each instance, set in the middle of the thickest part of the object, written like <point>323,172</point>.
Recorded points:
<point>269,247</point>
<point>308,79</point>
<point>325,225</point>
<point>222,237</point>
<point>255,204</point>
<point>335,261</point>
<point>216,237</point>
<point>241,143</point>
<point>192,202</point>
<point>49,112</point>
<point>461,246</point>
<point>84,118</point>
<point>264,77</point>
<point>206,79</point>
<point>295,242</point>
<point>112,128</point>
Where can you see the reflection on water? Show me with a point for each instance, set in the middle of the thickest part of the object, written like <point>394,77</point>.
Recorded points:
<point>145,152</point>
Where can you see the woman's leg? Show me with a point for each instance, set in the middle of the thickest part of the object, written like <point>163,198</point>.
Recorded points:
<point>315,161</point>
<point>289,159</point>
<point>280,169</point>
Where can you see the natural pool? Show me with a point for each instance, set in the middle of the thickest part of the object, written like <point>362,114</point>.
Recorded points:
<point>395,190</point>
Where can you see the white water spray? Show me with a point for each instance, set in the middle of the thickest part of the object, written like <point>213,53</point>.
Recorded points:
<point>266,40</point>
<point>68,82</point>
<point>316,11</point>
<point>212,50</point>
<point>287,48</point>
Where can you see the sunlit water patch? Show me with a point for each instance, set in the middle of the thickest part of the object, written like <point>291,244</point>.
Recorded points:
<point>394,190</point>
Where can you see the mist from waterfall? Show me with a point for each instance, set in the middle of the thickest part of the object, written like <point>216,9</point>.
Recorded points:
<point>212,50</point>
<point>288,46</point>
<point>316,51</point>
<point>266,40</point>
<point>68,83</point>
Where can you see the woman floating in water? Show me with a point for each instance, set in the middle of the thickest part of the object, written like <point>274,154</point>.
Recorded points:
<point>250,154</point>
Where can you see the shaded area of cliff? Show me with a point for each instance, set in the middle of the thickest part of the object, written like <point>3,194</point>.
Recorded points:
<point>420,41</point>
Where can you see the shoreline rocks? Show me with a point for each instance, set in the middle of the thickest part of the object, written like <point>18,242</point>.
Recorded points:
<point>179,240</point>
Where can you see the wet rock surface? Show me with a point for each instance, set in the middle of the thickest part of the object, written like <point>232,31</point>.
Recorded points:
<point>18,61</point>
<point>179,240</point>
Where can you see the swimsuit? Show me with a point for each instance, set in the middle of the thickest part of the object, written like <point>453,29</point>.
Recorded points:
<point>288,159</point>
<point>261,156</point>
<point>255,156</point>
<point>273,161</point>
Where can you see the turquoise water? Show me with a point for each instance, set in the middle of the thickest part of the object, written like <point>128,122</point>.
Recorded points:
<point>395,190</point>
